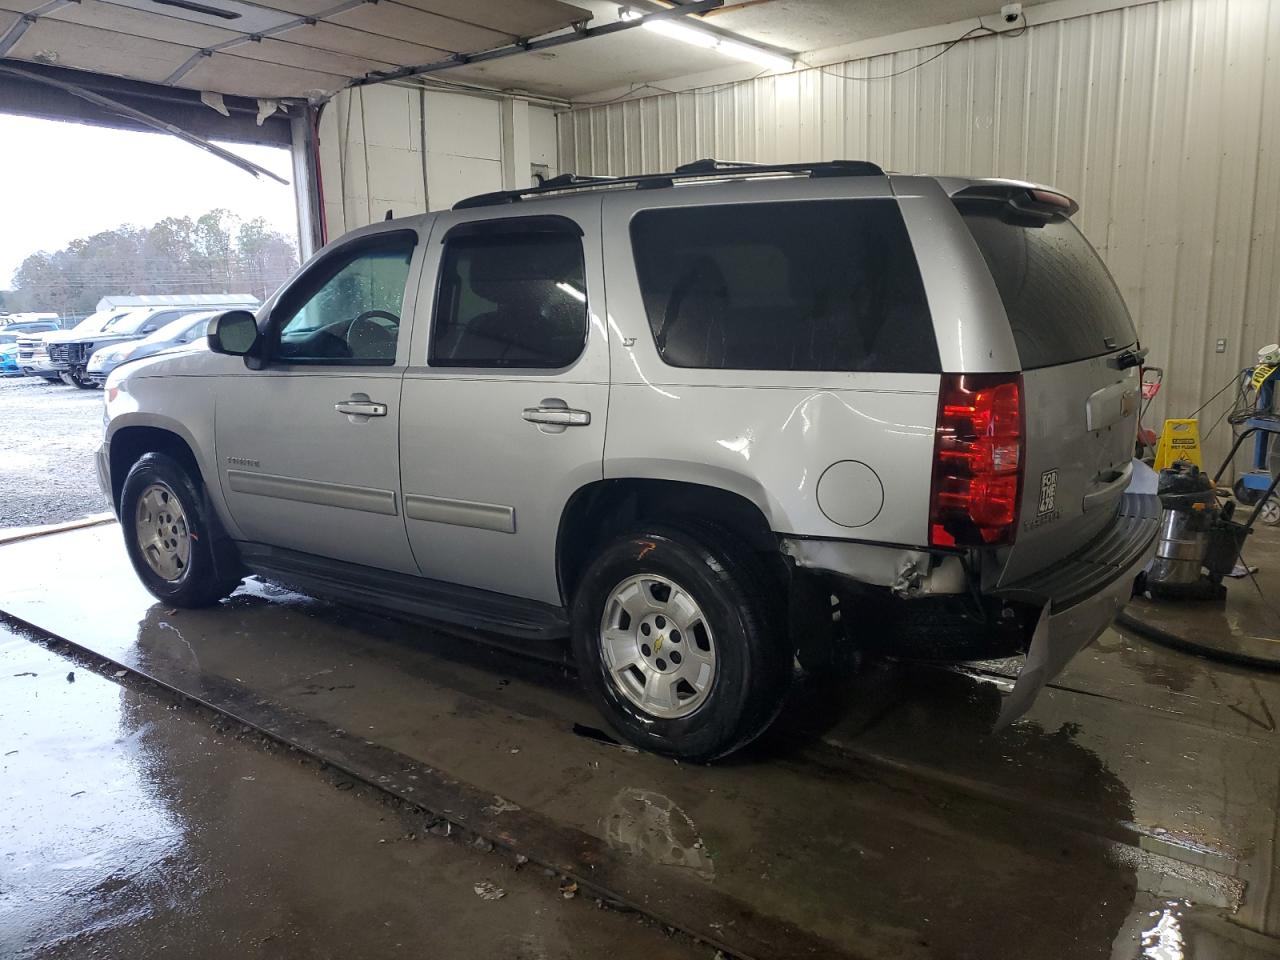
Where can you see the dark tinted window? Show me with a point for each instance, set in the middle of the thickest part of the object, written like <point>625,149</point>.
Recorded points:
<point>811,285</point>
<point>510,300</point>
<point>1061,301</point>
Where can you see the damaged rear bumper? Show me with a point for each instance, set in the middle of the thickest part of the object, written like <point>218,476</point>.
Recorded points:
<point>1081,596</point>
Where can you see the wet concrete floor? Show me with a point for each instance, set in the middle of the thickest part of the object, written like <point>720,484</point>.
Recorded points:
<point>1131,814</point>
<point>134,827</point>
<point>1245,626</point>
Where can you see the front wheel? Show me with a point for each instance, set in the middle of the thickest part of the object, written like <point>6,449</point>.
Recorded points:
<point>77,378</point>
<point>175,543</point>
<point>679,640</point>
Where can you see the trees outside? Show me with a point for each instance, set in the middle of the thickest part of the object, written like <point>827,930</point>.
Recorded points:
<point>217,252</point>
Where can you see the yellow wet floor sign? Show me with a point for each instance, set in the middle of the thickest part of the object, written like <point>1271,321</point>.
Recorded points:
<point>1180,440</point>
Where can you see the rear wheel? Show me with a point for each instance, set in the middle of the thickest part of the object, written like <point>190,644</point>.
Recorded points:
<point>678,639</point>
<point>173,537</point>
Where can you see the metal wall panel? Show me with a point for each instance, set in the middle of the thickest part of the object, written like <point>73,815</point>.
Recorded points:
<point>392,147</point>
<point>1162,119</point>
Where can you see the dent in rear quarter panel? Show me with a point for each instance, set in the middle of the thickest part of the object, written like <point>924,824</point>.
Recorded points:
<point>772,443</point>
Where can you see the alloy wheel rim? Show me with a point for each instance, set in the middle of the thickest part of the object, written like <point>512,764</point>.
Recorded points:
<point>657,646</point>
<point>160,525</point>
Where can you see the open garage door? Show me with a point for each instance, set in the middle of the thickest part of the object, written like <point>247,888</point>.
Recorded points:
<point>282,48</point>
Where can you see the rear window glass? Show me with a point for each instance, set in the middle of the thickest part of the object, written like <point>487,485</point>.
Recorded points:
<point>511,300</point>
<point>1061,301</point>
<point>808,285</point>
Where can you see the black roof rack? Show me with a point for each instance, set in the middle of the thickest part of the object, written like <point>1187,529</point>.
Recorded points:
<point>707,168</point>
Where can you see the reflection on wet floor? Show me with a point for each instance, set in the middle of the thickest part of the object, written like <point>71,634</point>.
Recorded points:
<point>1131,814</point>
<point>132,828</point>
<point>75,752</point>
<point>647,824</point>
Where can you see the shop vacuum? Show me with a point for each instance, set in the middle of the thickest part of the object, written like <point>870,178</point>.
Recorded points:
<point>1199,542</point>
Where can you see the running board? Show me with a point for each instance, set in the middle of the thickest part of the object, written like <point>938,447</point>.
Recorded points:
<point>417,597</point>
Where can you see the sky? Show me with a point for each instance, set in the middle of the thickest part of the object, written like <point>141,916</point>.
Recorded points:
<point>62,181</point>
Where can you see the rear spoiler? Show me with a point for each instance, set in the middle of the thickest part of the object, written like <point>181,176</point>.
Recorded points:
<point>1030,199</point>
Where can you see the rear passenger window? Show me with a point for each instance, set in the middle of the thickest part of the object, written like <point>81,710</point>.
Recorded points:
<point>807,285</point>
<point>510,297</point>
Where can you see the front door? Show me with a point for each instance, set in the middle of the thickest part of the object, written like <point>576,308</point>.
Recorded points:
<point>506,395</point>
<point>307,447</point>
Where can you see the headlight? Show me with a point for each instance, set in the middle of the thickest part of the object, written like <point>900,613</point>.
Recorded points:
<point>105,357</point>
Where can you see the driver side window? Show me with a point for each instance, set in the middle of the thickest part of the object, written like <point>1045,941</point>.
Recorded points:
<point>353,316</point>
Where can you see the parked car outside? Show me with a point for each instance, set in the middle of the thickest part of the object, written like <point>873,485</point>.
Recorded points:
<point>698,430</point>
<point>9,359</point>
<point>33,349</point>
<point>183,331</point>
<point>9,336</point>
<point>11,319</point>
<point>71,354</point>
<point>12,331</point>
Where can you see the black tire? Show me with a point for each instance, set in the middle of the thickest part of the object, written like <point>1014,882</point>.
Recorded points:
<point>1245,495</point>
<point>212,570</point>
<point>742,604</point>
<point>74,378</point>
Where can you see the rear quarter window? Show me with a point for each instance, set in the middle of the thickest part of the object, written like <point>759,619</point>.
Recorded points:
<point>1062,303</point>
<point>826,285</point>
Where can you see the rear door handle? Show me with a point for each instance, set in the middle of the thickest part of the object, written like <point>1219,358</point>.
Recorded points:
<point>557,416</point>
<point>361,408</point>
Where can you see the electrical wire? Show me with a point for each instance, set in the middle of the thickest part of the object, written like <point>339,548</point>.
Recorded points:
<point>1208,433</point>
<point>1227,386</point>
<point>981,30</point>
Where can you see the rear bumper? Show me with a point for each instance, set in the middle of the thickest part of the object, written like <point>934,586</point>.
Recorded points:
<point>1081,596</point>
<point>1129,540</point>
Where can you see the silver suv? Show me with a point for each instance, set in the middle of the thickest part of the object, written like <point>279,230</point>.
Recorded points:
<point>701,424</point>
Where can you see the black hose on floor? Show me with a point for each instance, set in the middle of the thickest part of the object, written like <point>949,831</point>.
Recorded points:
<point>1167,639</point>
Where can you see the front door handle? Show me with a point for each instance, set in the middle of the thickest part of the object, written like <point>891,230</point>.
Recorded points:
<point>557,416</point>
<point>361,408</point>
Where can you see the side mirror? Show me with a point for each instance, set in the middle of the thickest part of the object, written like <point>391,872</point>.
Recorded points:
<point>234,333</point>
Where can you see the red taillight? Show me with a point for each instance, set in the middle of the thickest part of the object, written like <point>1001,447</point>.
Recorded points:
<point>977,460</point>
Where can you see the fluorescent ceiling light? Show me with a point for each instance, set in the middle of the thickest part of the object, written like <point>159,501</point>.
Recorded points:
<point>744,51</point>
<point>679,30</point>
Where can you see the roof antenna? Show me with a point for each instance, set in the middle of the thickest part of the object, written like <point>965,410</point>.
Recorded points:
<point>388,216</point>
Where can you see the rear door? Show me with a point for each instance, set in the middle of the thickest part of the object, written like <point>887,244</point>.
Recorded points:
<point>1072,332</point>
<point>506,396</point>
